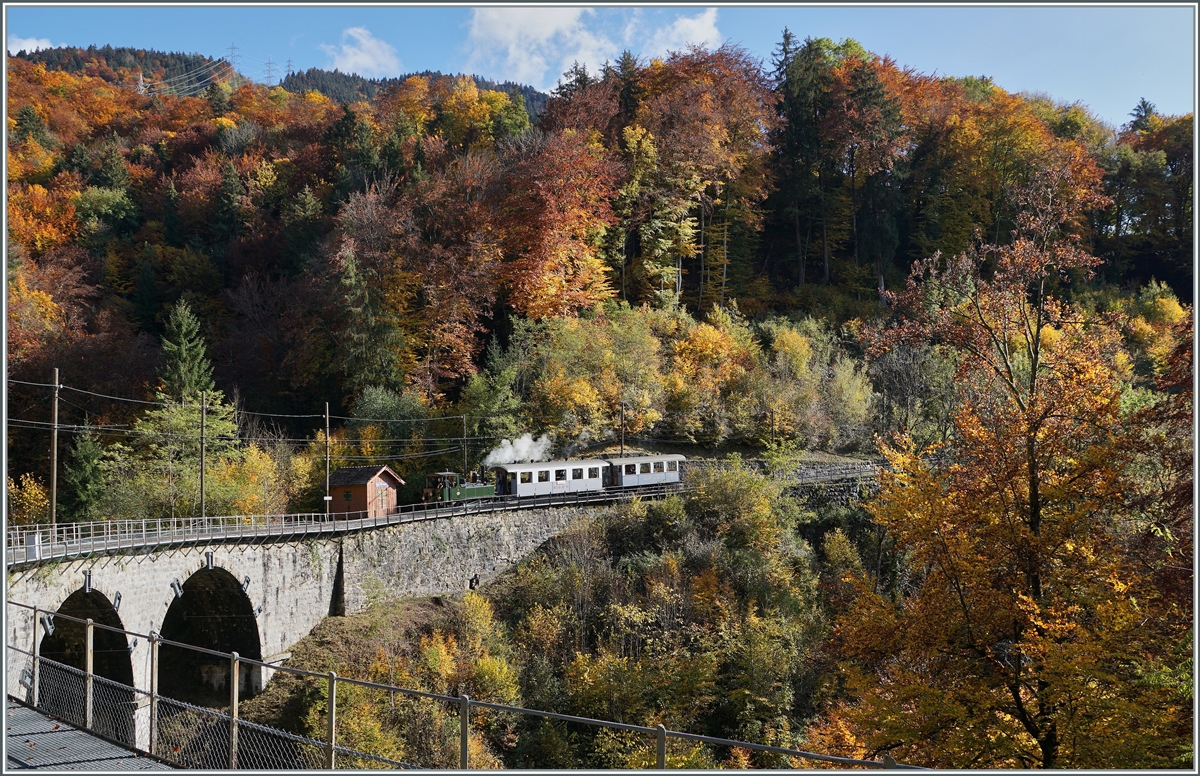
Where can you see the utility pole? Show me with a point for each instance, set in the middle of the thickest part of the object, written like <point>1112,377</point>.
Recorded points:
<point>270,70</point>
<point>622,426</point>
<point>54,454</point>
<point>289,67</point>
<point>328,498</point>
<point>464,446</point>
<point>203,412</point>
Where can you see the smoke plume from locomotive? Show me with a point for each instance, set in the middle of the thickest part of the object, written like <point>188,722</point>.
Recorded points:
<point>525,448</point>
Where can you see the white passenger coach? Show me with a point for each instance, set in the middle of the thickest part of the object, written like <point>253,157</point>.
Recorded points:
<point>546,478</point>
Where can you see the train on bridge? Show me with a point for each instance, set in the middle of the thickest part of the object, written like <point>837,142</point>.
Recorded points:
<point>549,478</point>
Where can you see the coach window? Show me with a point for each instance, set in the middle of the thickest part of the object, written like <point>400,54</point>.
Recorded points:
<point>544,475</point>
<point>526,477</point>
<point>560,475</point>
<point>577,474</point>
<point>631,468</point>
<point>594,473</point>
<point>658,466</point>
<point>671,466</point>
<point>645,468</point>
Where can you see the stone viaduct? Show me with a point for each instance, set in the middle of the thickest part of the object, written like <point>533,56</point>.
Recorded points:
<point>256,597</point>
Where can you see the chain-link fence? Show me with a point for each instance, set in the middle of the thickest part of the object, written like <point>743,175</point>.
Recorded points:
<point>437,728</point>
<point>113,708</point>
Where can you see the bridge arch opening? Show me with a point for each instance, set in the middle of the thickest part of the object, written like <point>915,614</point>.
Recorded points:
<point>62,682</point>
<point>214,613</point>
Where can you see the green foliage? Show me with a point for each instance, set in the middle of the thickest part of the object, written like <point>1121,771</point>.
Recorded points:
<point>82,480</point>
<point>100,210</point>
<point>217,95</point>
<point>31,125</point>
<point>187,371</point>
<point>372,342</point>
<point>110,172</point>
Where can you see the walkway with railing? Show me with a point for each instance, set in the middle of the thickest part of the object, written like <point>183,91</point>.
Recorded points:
<point>37,543</point>
<point>193,736</point>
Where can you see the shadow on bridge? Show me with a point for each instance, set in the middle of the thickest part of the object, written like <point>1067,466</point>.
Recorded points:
<point>64,688</point>
<point>213,613</point>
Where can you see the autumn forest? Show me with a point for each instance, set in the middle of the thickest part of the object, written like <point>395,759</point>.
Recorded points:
<point>825,254</point>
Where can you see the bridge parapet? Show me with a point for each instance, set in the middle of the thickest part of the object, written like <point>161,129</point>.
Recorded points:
<point>34,544</point>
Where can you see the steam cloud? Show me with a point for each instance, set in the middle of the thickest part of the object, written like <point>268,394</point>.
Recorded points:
<point>525,448</point>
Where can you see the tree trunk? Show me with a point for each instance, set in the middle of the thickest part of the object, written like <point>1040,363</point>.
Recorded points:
<point>799,249</point>
<point>825,246</point>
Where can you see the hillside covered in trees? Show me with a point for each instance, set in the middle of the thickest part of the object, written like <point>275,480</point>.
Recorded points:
<point>827,252</point>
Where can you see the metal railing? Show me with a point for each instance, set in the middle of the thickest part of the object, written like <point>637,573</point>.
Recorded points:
<point>37,543</point>
<point>194,736</point>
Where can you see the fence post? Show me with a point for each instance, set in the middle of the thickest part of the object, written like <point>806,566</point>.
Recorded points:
<point>662,748</point>
<point>331,714</point>
<point>37,652</point>
<point>153,692</point>
<point>464,731</point>
<point>87,691</point>
<point>233,710</point>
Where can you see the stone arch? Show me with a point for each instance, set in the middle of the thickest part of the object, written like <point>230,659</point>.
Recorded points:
<point>62,682</point>
<point>214,613</point>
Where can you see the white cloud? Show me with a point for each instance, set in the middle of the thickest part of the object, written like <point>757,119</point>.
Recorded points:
<point>367,55</point>
<point>536,45</point>
<point>28,45</point>
<point>698,30</point>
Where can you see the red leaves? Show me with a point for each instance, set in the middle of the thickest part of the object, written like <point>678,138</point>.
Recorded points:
<point>556,208</point>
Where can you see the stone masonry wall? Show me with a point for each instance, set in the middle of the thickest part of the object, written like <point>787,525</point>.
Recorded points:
<point>442,556</point>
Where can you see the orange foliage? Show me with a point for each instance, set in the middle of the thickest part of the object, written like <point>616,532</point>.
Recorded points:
<point>41,218</point>
<point>558,208</point>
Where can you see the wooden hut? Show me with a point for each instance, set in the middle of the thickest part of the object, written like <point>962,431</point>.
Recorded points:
<point>370,490</point>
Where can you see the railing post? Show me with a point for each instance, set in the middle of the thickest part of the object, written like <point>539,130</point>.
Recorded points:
<point>331,728</point>
<point>87,686</point>
<point>233,710</point>
<point>464,732</point>
<point>662,748</point>
<point>153,692</point>
<point>37,650</point>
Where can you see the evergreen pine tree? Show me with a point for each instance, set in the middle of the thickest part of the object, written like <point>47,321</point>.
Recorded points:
<point>187,371</point>
<point>373,341</point>
<point>111,172</point>
<point>83,479</point>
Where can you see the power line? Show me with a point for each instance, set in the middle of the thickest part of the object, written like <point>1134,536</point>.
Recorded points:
<point>192,87</point>
<point>247,412</point>
<point>206,68</point>
<point>125,428</point>
<point>196,88</point>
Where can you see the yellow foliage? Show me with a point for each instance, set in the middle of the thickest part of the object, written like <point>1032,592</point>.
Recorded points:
<point>477,622</point>
<point>438,660</point>
<point>260,488</point>
<point>495,681</point>
<point>541,630</point>
<point>28,501</point>
<point>792,353</point>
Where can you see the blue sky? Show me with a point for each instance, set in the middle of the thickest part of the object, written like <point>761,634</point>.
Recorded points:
<point>1106,57</point>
